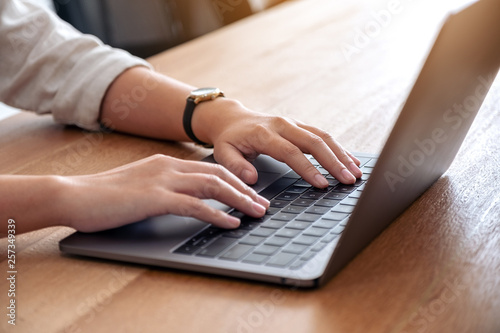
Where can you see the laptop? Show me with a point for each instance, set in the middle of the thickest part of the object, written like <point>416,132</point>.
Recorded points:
<point>309,234</point>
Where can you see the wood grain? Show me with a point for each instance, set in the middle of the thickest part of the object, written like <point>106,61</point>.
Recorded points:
<point>435,269</point>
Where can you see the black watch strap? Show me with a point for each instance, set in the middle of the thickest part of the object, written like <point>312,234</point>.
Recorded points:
<point>196,97</point>
<point>186,122</point>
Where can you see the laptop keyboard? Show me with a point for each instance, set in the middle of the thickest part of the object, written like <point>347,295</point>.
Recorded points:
<point>299,223</point>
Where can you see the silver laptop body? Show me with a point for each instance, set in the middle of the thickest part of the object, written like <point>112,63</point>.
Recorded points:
<point>430,129</point>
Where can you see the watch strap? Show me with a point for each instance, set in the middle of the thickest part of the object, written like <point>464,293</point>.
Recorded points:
<point>186,122</point>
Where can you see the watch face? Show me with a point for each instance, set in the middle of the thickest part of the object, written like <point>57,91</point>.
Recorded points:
<point>205,94</point>
<point>205,91</point>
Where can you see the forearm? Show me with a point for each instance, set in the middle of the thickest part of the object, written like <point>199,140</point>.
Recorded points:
<point>143,102</point>
<point>32,201</point>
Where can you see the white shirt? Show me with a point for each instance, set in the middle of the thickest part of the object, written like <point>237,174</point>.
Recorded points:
<point>47,66</point>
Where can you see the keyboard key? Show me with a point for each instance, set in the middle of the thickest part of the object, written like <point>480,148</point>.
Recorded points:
<point>279,203</point>
<point>303,202</point>
<point>237,214</point>
<point>300,225</point>
<point>302,183</point>
<point>327,224</point>
<point>252,240</point>
<point>367,170</point>
<point>287,232</point>
<point>312,195</point>
<point>359,182</point>
<point>332,181</point>
<point>250,219</point>
<point>342,188</point>
<point>323,171</point>
<point>308,217</point>
<point>364,160</point>
<point>198,241</point>
<point>267,250</point>
<point>235,233</point>
<point>263,232</point>
<point>308,256</point>
<point>318,210</point>
<point>335,196</point>
<point>343,208</point>
<point>318,247</point>
<point>371,163</point>
<point>282,259</point>
<point>217,246</point>
<point>298,264</point>
<point>283,217</point>
<point>210,232</point>
<point>317,232</point>
<point>338,230</point>
<point>344,222</point>
<point>327,203</point>
<point>295,248</point>
<point>236,252</point>
<point>256,259</point>
<point>187,249</point>
<point>355,194</point>
<point>349,201</point>
<point>313,161</point>
<point>272,210</point>
<point>305,240</point>
<point>293,209</point>
<point>277,241</point>
<point>249,224</point>
<point>274,224</point>
<point>330,237</point>
<point>296,189</point>
<point>336,216</point>
<point>287,196</point>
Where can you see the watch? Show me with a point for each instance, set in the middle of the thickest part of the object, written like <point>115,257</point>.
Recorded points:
<point>196,97</point>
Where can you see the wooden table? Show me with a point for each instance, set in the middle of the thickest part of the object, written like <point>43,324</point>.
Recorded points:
<point>435,269</point>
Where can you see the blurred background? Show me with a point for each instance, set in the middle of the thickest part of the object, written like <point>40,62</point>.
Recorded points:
<point>145,28</point>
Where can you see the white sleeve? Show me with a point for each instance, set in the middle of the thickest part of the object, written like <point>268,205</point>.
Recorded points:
<point>47,66</point>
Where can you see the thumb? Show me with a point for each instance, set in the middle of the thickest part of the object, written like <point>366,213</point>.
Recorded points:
<point>233,160</point>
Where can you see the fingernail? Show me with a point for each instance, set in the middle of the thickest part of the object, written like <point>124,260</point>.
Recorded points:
<point>233,222</point>
<point>263,201</point>
<point>321,181</point>
<point>349,178</point>
<point>355,170</point>
<point>259,209</point>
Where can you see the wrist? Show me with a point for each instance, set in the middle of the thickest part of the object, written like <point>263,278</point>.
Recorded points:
<point>35,201</point>
<point>211,117</point>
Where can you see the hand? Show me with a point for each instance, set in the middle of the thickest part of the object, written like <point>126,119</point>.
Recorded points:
<point>240,135</point>
<point>237,133</point>
<point>155,186</point>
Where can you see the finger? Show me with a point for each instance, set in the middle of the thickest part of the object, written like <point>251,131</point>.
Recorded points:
<point>186,205</point>
<point>354,158</point>
<point>297,138</point>
<point>288,144</point>
<point>330,154</point>
<point>210,186</point>
<point>221,172</point>
<point>233,159</point>
<point>284,151</point>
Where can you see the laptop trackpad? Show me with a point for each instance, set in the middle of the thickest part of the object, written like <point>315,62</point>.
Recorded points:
<point>170,230</point>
